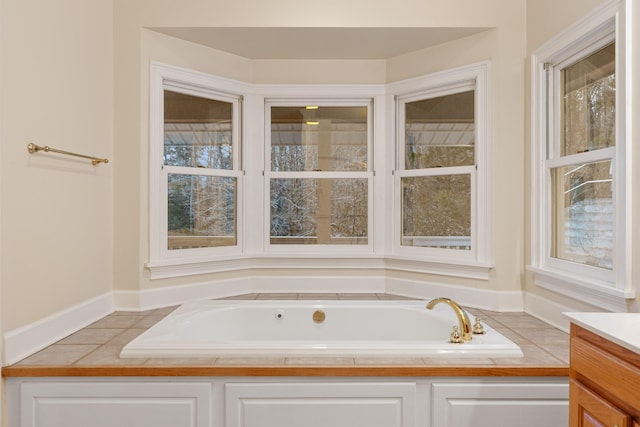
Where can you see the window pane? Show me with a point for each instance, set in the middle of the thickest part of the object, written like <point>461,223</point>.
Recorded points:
<point>318,138</point>
<point>436,211</point>
<point>201,211</point>
<point>440,132</point>
<point>583,214</point>
<point>589,103</point>
<point>319,211</point>
<point>197,132</point>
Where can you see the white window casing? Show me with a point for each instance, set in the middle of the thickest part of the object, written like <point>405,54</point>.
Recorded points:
<point>253,249</point>
<point>163,77</point>
<point>470,78</point>
<point>604,287</point>
<point>269,175</point>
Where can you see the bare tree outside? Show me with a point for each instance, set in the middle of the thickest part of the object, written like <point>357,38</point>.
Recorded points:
<point>436,204</point>
<point>312,208</point>
<point>201,206</point>
<point>583,223</point>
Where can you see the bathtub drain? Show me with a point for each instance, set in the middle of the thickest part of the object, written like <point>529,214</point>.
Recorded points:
<point>318,316</point>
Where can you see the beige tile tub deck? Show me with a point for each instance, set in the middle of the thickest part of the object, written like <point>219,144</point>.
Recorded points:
<point>100,343</point>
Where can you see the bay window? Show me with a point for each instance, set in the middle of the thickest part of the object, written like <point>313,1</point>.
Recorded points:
<point>310,193</point>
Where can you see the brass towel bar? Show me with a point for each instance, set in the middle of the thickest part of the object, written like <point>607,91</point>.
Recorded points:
<point>33,148</point>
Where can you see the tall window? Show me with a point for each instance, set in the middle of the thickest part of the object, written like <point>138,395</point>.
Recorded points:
<point>579,176</point>
<point>580,163</point>
<point>438,163</point>
<point>199,165</point>
<point>196,176</point>
<point>318,173</point>
<point>441,175</point>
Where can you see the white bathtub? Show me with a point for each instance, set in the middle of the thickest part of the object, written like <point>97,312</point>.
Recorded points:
<point>287,328</point>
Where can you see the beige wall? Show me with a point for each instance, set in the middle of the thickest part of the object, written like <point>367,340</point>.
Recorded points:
<point>548,18</point>
<point>56,80</point>
<point>331,13</point>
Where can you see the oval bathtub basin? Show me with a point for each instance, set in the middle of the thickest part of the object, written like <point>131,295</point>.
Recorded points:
<point>312,328</point>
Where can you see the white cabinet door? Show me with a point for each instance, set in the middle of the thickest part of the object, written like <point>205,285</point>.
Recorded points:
<point>122,404</point>
<point>320,404</point>
<point>510,404</point>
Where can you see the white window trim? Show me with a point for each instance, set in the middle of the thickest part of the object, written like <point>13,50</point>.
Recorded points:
<point>369,174</point>
<point>163,77</point>
<point>585,283</point>
<point>473,77</point>
<point>251,252</point>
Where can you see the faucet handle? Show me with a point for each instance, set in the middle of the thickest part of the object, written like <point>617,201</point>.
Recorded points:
<point>478,329</point>
<point>455,337</point>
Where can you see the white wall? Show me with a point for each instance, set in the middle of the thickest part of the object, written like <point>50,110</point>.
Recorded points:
<point>56,79</point>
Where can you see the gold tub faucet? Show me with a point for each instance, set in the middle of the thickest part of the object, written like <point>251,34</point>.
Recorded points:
<point>463,319</point>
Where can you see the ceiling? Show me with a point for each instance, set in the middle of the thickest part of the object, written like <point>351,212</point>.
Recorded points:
<point>318,43</point>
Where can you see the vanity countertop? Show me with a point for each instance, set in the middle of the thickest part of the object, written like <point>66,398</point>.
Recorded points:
<point>620,328</point>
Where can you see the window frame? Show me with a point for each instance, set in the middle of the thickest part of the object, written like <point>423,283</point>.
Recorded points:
<point>252,251</point>
<point>319,250</point>
<point>464,79</point>
<point>598,286</point>
<point>162,78</point>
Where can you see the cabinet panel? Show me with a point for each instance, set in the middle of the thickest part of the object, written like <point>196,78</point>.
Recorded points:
<point>58,404</point>
<point>320,405</point>
<point>590,410</point>
<point>488,405</point>
<point>618,378</point>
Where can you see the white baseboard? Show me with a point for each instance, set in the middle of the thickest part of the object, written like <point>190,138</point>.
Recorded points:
<point>318,284</point>
<point>484,299</point>
<point>547,310</point>
<point>174,295</point>
<point>26,340</point>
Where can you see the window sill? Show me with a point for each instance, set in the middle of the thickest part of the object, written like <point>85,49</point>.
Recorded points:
<point>595,292</point>
<point>188,267</point>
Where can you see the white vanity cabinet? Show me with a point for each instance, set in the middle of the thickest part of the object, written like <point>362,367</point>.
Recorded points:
<point>107,404</point>
<point>287,401</point>
<point>480,404</point>
<point>313,404</point>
